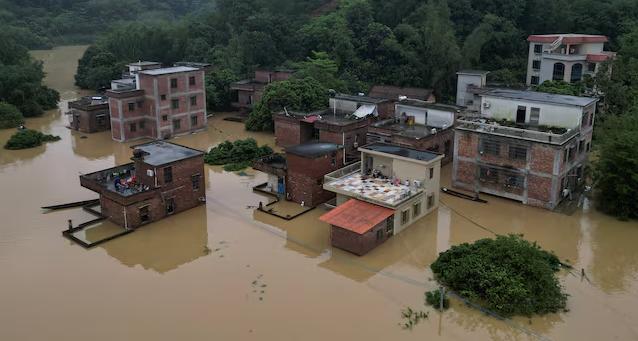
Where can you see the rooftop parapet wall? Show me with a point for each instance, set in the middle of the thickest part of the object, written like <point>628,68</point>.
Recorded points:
<point>530,133</point>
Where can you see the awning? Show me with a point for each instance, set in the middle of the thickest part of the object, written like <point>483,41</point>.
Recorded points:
<point>357,216</point>
<point>365,110</point>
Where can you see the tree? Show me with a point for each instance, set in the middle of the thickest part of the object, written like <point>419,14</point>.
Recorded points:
<point>294,94</point>
<point>10,116</point>
<point>508,275</point>
<point>236,155</point>
<point>616,170</point>
<point>218,96</point>
<point>28,138</point>
<point>321,68</point>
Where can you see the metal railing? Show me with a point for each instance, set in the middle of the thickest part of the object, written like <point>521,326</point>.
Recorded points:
<point>526,134</point>
<point>342,173</point>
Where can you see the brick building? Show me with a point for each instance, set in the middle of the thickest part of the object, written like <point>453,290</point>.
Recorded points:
<point>298,176</point>
<point>378,197</point>
<point>247,92</point>
<point>419,125</point>
<point>90,114</point>
<point>163,179</point>
<point>524,145</point>
<point>157,103</point>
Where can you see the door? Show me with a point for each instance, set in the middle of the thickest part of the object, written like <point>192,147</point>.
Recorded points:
<point>281,187</point>
<point>520,115</point>
<point>170,206</point>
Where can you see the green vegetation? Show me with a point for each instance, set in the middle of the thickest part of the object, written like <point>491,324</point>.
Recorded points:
<point>616,170</point>
<point>21,79</point>
<point>294,94</point>
<point>28,138</point>
<point>236,155</point>
<point>411,318</point>
<point>10,116</point>
<point>433,298</point>
<point>561,88</point>
<point>508,275</point>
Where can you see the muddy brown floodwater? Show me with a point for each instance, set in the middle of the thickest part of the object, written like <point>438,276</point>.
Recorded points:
<point>226,272</point>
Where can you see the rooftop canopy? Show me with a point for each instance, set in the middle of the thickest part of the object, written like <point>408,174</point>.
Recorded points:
<point>159,153</point>
<point>357,216</point>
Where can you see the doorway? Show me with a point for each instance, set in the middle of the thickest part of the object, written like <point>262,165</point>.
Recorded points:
<point>170,206</point>
<point>520,115</point>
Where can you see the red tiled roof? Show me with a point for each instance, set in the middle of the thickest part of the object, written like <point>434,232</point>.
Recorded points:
<point>357,216</point>
<point>596,58</point>
<point>568,39</point>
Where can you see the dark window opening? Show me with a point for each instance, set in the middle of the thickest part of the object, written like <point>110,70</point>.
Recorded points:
<point>591,67</point>
<point>142,125</point>
<point>194,120</point>
<point>193,100</point>
<point>168,175</point>
<point>405,217</point>
<point>534,80</point>
<point>448,147</point>
<point>173,83</point>
<point>520,114</point>
<point>379,234</point>
<point>389,226</point>
<point>491,147</point>
<point>559,72</point>
<point>488,175</point>
<point>163,97</point>
<point>538,48</point>
<point>170,206</point>
<point>164,117</point>
<point>430,201</point>
<point>131,106</point>
<point>133,127</point>
<point>139,104</point>
<point>144,214</point>
<point>175,104</point>
<point>536,64</point>
<point>416,210</point>
<point>195,181</point>
<point>431,173</point>
<point>577,72</point>
<point>177,124</point>
<point>191,80</point>
<point>518,152</point>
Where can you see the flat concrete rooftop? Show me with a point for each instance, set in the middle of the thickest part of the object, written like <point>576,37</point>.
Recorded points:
<point>168,70</point>
<point>161,152</point>
<point>401,151</point>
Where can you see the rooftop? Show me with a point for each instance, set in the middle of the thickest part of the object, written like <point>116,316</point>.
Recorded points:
<point>168,70</point>
<point>393,92</point>
<point>472,72</point>
<point>357,216</point>
<point>313,149</point>
<point>381,190</point>
<point>159,153</point>
<point>436,106</point>
<point>357,98</point>
<point>550,135</point>
<point>416,131</point>
<point>89,101</point>
<point>567,38</point>
<point>536,96</point>
<point>145,63</point>
<point>400,151</point>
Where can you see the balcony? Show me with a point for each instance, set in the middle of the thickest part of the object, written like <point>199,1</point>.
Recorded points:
<point>379,190</point>
<point>119,183</point>
<point>565,57</point>
<point>551,135</point>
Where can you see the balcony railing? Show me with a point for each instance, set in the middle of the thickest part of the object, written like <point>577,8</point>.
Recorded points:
<point>342,173</point>
<point>485,126</point>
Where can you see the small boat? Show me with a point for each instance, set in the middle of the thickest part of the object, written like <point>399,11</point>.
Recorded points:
<point>72,205</point>
<point>462,195</point>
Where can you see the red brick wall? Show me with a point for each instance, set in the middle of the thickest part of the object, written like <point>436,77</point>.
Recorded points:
<point>466,172</point>
<point>542,158</point>
<point>468,144</point>
<point>305,178</point>
<point>539,188</point>
<point>290,131</point>
<point>359,244</point>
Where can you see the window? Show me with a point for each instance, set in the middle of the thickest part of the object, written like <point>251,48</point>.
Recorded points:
<point>131,106</point>
<point>405,217</point>
<point>416,210</point>
<point>191,80</point>
<point>168,175</point>
<point>195,181</point>
<point>389,225</point>
<point>534,115</point>
<point>518,152</point>
<point>193,100</point>
<point>177,124</point>
<point>591,119</point>
<point>163,97</point>
<point>566,155</point>
<point>379,234</point>
<point>591,67</point>
<point>430,201</point>
<point>538,48</point>
<point>448,148</point>
<point>164,117</point>
<point>173,83</point>
<point>588,147</point>
<point>170,205</point>
<point>536,64</point>
<point>133,127</point>
<point>559,72</point>
<point>577,72</point>
<point>514,181</point>
<point>581,146</point>
<point>142,125</point>
<point>521,114</point>
<point>144,214</point>
<point>534,80</point>
<point>139,104</point>
<point>175,103</point>
<point>491,147</point>
<point>431,173</point>
<point>488,175</point>
<point>572,153</point>
<point>194,121</point>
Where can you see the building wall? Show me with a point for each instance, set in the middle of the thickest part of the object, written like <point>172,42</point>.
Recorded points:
<point>87,121</point>
<point>290,131</point>
<point>304,182</point>
<point>550,114</point>
<point>351,136</point>
<point>435,117</point>
<point>463,98</point>
<point>359,244</point>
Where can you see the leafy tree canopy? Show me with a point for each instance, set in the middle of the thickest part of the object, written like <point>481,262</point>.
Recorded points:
<point>27,138</point>
<point>10,116</point>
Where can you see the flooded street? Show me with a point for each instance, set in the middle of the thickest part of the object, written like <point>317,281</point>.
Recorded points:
<point>226,272</point>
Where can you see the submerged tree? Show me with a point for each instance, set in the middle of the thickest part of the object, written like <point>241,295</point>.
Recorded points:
<point>28,138</point>
<point>10,116</point>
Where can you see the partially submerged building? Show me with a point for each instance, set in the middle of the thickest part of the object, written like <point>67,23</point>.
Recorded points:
<point>524,145</point>
<point>248,92</point>
<point>298,176</point>
<point>391,188</point>
<point>157,103</point>
<point>163,179</point>
<point>565,57</point>
<point>419,125</point>
<point>90,114</point>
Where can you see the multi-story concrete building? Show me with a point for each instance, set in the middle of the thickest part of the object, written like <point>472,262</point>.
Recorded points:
<point>378,197</point>
<point>248,92</point>
<point>419,125</point>
<point>564,57</point>
<point>163,179</point>
<point>90,114</point>
<point>157,103</point>
<point>524,145</point>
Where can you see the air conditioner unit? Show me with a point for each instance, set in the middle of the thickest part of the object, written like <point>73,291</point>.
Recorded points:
<point>486,105</point>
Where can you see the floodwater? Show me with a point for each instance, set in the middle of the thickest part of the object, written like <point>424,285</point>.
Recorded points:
<point>225,272</point>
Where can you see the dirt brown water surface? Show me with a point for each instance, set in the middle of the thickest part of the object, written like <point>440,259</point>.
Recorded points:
<point>225,272</point>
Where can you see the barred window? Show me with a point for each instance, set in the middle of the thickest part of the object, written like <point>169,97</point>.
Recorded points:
<point>518,152</point>
<point>488,175</point>
<point>491,147</point>
<point>516,181</point>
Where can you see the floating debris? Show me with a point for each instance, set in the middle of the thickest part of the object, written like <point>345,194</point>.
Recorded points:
<point>412,318</point>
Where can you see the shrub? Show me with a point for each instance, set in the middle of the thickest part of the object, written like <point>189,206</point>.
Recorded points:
<point>10,116</point>
<point>236,155</point>
<point>508,275</point>
<point>28,138</point>
<point>433,298</point>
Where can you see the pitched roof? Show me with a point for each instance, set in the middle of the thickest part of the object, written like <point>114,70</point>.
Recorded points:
<point>357,216</point>
<point>393,92</point>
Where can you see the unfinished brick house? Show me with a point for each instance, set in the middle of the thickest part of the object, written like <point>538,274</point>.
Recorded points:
<point>90,114</point>
<point>298,176</point>
<point>163,179</point>
<point>247,92</point>
<point>390,189</point>
<point>159,103</point>
<point>419,125</point>
<point>524,145</point>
